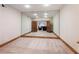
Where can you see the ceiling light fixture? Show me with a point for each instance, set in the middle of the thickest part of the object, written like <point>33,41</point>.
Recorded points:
<point>46,5</point>
<point>46,14</point>
<point>35,14</point>
<point>27,6</point>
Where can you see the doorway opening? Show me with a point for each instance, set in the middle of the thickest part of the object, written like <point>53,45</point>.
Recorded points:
<point>42,25</point>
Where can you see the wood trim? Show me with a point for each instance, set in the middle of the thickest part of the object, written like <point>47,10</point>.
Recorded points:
<point>40,37</point>
<point>48,26</point>
<point>25,34</point>
<point>66,44</point>
<point>69,46</point>
<point>34,26</point>
<point>12,39</point>
<point>56,35</point>
<point>9,41</point>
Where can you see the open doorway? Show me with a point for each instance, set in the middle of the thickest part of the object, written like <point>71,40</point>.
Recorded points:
<point>42,25</point>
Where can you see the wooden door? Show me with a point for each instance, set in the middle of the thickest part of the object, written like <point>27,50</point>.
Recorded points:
<point>34,26</point>
<point>48,26</point>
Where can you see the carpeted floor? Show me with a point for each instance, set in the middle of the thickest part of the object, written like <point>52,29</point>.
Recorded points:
<point>25,45</point>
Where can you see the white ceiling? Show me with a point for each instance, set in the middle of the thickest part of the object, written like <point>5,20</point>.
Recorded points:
<point>38,8</point>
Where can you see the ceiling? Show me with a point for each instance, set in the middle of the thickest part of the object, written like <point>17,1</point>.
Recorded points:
<point>40,9</point>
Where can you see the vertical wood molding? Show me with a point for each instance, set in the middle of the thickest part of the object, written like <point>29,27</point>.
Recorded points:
<point>34,26</point>
<point>48,26</point>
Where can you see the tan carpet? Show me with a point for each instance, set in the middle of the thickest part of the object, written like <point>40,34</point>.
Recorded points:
<point>36,46</point>
<point>41,33</point>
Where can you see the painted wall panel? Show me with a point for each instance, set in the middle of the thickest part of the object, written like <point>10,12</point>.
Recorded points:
<point>56,23</point>
<point>26,24</point>
<point>69,25</point>
<point>10,23</point>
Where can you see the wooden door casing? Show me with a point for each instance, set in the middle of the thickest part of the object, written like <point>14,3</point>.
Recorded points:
<point>48,26</point>
<point>34,26</point>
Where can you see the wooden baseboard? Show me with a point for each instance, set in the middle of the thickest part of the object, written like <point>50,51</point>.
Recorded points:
<point>30,32</point>
<point>66,44</point>
<point>39,37</point>
<point>56,35</point>
<point>69,46</point>
<point>12,40</point>
<point>25,34</point>
<point>9,41</point>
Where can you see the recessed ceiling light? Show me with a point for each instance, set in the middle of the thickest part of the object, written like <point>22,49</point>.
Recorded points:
<point>46,5</point>
<point>46,14</point>
<point>27,6</point>
<point>35,14</point>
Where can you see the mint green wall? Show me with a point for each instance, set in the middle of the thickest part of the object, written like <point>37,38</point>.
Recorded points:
<point>56,23</point>
<point>25,24</point>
